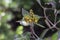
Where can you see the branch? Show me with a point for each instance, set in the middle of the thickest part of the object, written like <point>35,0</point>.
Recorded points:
<point>47,17</point>
<point>32,29</point>
<point>48,24</point>
<point>55,13</point>
<point>40,25</point>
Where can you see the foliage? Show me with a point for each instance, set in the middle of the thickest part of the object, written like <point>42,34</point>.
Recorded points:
<point>12,11</point>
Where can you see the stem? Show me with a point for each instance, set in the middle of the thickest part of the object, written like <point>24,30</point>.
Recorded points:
<point>47,17</point>
<point>45,13</point>
<point>57,22</point>
<point>55,13</point>
<point>48,24</point>
<point>48,21</point>
<point>39,1</point>
<point>40,25</point>
<point>32,30</point>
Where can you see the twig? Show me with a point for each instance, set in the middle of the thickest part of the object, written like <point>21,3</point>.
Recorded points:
<point>57,22</point>
<point>40,25</point>
<point>39,1</point>
<point>47,17</point>
<point>54,26</point>
<point>48,24</point>
<point>49,21</point>
<point>32,30</point>
<point>55,13</point>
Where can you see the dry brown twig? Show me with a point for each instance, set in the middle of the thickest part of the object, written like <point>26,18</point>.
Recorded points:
<point>48,22</point>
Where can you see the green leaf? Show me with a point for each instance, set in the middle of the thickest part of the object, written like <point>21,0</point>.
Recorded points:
<point>19,30</point>
<point>54,36</point>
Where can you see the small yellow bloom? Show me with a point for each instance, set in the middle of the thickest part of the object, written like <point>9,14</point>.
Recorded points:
<point>36,21</point>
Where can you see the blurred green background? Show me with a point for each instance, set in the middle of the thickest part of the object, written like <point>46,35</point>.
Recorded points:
<point>11,11</point>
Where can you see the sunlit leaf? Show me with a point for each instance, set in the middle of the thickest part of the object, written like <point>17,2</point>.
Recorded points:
<point>54,36</point>
<point>19,30</point>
